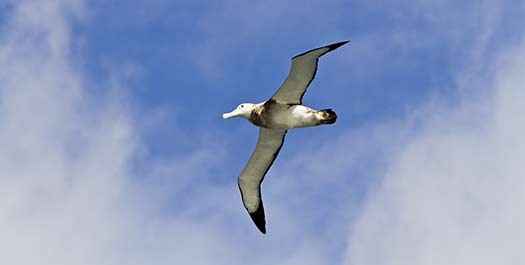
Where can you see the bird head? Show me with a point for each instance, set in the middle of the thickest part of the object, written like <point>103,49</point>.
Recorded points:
<point>244,110</point>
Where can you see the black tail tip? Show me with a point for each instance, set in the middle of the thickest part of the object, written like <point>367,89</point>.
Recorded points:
<point>329,111</point>
<point>331,116</point>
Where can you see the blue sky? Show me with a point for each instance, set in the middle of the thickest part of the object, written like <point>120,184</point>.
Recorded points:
<point>115,152</point>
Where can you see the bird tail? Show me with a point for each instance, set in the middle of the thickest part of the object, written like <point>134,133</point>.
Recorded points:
<point>329,116</point>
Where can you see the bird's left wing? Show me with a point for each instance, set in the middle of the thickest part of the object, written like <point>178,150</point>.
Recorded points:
<point>302,72</point>
<point>268,146</point>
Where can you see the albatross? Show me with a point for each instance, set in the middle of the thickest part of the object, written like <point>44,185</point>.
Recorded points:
<point>274,117</point>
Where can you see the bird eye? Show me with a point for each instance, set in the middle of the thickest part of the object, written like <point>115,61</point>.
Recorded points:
<point>242,106</point>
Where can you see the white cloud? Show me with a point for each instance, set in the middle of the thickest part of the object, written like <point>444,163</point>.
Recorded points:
<point>67,193</point>
<point>455,193</point>
<point>69,189</point>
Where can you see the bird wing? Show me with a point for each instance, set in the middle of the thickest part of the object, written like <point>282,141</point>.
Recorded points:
<point>268,146</point>
<point>302,72</point>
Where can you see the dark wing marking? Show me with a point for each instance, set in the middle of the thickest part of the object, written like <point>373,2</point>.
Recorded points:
<point>302,72</point>
<point>268,146</point>
<point>258,217</point>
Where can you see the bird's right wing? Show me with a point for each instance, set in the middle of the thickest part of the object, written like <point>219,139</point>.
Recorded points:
<point>268,146</point>
<point>302,72</point>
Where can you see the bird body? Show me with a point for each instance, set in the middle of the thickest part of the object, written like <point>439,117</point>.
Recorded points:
<point>274,115</point>
<point>282,112</point>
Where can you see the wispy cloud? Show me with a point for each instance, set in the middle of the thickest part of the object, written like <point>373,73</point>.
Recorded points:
<point>453,193</point>
<point>446,179</point>
<point>72,190</point>
<point>67,191</point>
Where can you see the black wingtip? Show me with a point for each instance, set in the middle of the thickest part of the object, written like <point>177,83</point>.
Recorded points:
<point>337,45</point>
<point>258,219</point>
<point>330,47</point>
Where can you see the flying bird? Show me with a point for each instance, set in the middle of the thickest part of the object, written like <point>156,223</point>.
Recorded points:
<point>283,111</point>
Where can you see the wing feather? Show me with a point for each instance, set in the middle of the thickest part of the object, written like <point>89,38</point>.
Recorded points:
<point>302,72</point>
<point>268,146</point>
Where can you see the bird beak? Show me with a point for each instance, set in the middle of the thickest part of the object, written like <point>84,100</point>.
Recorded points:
<point>229,115</point>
